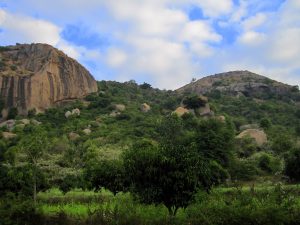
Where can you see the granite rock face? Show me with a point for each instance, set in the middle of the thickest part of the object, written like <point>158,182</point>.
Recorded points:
<point>38,76</point>
<point>238,83</point>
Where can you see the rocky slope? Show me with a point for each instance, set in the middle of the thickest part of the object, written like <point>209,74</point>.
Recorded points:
<point>238,83</point>
<point>37,76</point>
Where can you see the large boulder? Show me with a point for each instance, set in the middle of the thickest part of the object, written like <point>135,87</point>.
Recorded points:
<point>221,118</point>
<point>25,121</point>
<point>87,131</point>
<point>120,107</point>
<point>68,114</point>
<point>180,111</point>
<point>35,122</point>
<point>76,112</point>
<point>259,136</point>
<point>145,107</point>
<point>8,135</point>
<point>114,113</point>
<point>9,124</point>
<point>38,76</point>
<point>73,136</point>
<point>249,126</point>
<point>204,111</point>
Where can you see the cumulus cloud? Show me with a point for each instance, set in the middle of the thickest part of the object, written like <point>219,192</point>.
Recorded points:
<point>268,44</point>
<point>116,57</point>
<point>254,21</point>
<point>156,40</point>
<point>252,38</point>
<point>26,29</point>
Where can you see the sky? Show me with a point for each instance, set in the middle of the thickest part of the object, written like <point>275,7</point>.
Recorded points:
<point>163,42</point>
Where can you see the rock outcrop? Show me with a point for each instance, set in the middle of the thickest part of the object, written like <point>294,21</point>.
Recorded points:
<point>238,83</point>
<point>8,135</point>
<point>259,136</point>
<point>145,107</point>
<point>120,107</point>
<point>180,111</point>
<point>38,76</point>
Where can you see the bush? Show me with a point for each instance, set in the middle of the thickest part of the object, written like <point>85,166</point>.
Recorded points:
<point>269,163</point>
<point>292,169</point>
<point>194,102</point>
<point>13,67</point>
<point>13,112</point>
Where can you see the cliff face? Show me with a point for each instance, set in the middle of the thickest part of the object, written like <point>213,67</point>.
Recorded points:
<point>39,76</point>
<point>238,83</point>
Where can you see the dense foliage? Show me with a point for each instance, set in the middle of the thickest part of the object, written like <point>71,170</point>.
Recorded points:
<point>158,157</point>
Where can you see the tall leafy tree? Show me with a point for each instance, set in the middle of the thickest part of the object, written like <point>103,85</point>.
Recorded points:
<point>215,140</point>
<point>169,172</point>
<point>34,146</point>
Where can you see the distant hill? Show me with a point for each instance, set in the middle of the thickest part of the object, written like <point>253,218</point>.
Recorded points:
<point>37,76</point>
<point>241,83</point>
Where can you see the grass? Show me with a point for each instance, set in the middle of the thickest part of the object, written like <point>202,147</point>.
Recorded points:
<point>70,209</point>
<point>263,204</point>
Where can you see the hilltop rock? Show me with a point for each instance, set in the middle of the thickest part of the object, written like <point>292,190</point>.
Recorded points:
<point>37,76</point>
<point>259,136</point>
<point>238,83</point>
<point>145,107</point>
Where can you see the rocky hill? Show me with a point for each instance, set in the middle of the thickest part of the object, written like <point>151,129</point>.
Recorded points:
<point>239,83</point>
<point>37,76</point>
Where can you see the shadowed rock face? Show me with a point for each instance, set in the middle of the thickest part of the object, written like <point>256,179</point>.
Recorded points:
<point>237,83</point>
<point>39,76</point>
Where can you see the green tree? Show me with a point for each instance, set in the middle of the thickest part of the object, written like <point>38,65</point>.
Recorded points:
<point>292,169</point>
<point>215,140</point>
<point>34,145</point>
<point>265,123</point>
<point>145,86</point>
<point>107,174</point>
<point>194,102</point>
<point>166,176</point>
<point>12,113</point>
<point>282,143</point>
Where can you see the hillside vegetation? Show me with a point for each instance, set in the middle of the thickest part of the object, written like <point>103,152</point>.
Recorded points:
<point>136,142</point>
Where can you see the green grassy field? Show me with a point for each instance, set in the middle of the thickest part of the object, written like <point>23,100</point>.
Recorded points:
<point>265,204</point>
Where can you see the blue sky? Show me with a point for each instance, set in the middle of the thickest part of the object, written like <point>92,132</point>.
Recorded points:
<point>163,42</point>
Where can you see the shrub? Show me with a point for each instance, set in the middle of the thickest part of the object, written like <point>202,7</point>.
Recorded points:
<point>194,102</point>
<point>292,169</point>
<point>13,112</point>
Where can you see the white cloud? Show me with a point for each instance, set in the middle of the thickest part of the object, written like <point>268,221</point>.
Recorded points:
<point>252,38</point>
<point>254,21</point>
<point>215,8</point>
<point>26,29</point>
<point>240,11</point>
<point>285,46</point>
<point>199,31</point>
<point>167,63</point>
<point>155,38</point>
<point>116,57</point>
